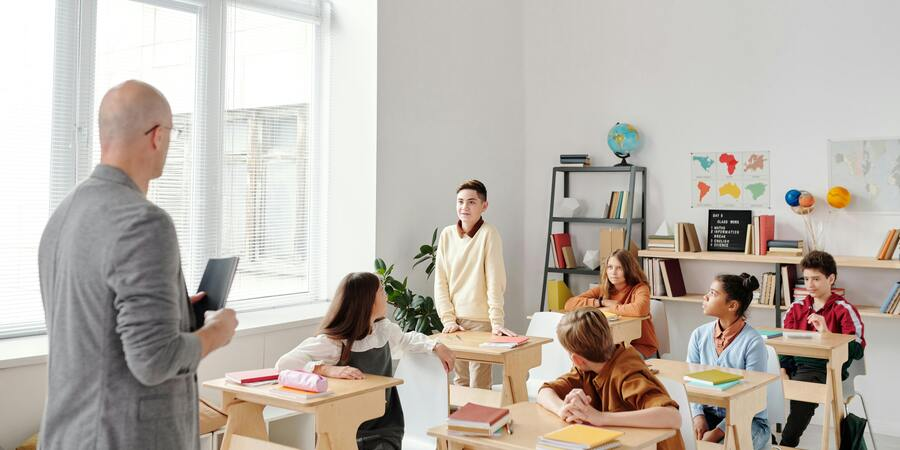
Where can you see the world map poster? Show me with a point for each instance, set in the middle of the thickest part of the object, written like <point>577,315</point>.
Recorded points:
<point>870,170</point>
<point>730,180</point>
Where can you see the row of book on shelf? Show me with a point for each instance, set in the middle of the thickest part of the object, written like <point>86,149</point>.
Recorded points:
<point>683,239</point>
<point>666,280</point>
<point>889,246</point>
<point>891,304</point>
<point>473,419</point>
<point>611,239</point>
<point>617,208</point>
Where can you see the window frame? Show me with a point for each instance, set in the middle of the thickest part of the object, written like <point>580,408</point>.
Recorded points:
<point>73,118</point>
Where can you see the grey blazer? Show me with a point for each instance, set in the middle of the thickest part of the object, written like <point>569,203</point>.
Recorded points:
<point>122,359</point>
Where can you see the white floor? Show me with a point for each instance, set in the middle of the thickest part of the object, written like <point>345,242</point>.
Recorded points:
<point>811,440</point>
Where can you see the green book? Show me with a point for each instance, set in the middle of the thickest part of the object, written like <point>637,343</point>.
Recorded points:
<point>712,377</point>
<point>769,334</point>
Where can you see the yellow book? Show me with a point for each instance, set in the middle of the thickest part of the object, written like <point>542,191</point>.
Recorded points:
<point>582,435</point>
<point>557,294</point>
<point>712,377</point>
<point>610,316</point>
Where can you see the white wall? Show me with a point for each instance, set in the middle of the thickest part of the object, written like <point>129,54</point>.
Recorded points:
<point>351,199</point>
<point>450,108</point>
<point>704,75</point>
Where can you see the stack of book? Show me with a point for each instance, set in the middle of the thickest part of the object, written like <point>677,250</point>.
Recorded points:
<point>784,247</point>
<point>891,304</point>
<point>664,243</point>
<point>577,160</point>
<point>654,276</point>
<point>769,334</point>
<point>686,239</point>
<point>713,379</point>
<point>256,377</point>
<point>800,292</point>
<point>504,342</point>
<point>473,419</point>
<point>889,245</point>
<point>562,249</point>
<point>618,205</point>
<point>580,437</point>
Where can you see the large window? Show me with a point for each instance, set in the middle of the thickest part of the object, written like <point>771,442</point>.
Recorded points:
<point>244,79</point>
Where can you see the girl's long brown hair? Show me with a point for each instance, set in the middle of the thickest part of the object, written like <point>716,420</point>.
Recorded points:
<point>350,314</point>
<point>634,275</point>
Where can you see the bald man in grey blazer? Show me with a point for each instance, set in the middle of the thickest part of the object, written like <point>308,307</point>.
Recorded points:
<point>123,349</point>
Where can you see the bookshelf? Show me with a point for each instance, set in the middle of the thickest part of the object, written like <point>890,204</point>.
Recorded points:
<point>627,223</point>
<point>862,262</point>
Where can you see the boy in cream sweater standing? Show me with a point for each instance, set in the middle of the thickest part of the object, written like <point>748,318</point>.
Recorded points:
<point>471,277</point>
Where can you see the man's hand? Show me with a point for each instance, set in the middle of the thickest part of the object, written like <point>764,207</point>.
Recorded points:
<point>500,331</point>
<point>700,427</point>
<point>217,331</point>
<point>577,396</point>
<point>566,413</point>
<point>345,372</point>
<point>453,328</point>
<point>817,321</point>
<point>446,356</point>
<point>582,413</point>
<point>197,297</point>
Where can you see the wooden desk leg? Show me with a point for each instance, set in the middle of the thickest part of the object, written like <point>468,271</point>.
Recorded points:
<point>515,372</point>
<point>244,418</point>
<point>837,401</point>
<point>739,419</point>
<point>337,422</point>
<point>827,413</point>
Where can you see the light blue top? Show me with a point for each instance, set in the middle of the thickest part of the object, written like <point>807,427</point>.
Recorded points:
<point>746,352</point>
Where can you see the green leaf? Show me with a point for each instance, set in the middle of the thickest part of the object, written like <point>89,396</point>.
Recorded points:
<point>379,264</point>
<point>421,324</point>
<point>418,302</point>
<point>434,237</point>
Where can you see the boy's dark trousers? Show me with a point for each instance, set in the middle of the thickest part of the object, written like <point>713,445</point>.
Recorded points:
<point>801,412</point>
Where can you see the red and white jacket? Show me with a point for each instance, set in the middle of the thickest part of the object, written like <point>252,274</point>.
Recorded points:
<point>840,316</point>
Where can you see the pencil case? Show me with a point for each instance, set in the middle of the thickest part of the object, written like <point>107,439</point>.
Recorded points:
<point>302,380</point>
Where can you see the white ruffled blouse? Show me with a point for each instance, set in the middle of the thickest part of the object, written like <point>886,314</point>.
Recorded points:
<point>322,349</point>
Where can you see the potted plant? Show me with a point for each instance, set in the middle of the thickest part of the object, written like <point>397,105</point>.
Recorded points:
<point>413,312</point>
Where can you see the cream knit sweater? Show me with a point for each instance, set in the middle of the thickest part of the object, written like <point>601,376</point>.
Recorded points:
<point>470,276</point>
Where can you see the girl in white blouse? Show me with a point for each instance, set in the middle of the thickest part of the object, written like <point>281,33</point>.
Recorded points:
<point>356,339</point>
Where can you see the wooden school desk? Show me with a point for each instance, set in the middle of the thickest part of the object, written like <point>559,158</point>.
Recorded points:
<point>516,361</point>
<point>530,422</point>
<point>338,415</point>
<point>741,402</point>
<point>832,347</point>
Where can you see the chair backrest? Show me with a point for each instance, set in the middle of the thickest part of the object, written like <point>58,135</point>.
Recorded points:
<point>774,391</point>
<point>857,367</point>
<point>660,325</point>
<point>554,358</point>
<point>677,393</point>
<point>423,394</point>
<point>239,442</point>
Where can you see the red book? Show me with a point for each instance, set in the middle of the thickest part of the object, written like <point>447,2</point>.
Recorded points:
<point>473,413</point>
<point>673,278</point>
<point>766,232</point>
<point>252,376</point>
<point>560,241</point>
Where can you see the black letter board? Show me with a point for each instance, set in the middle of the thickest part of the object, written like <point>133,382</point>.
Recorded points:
<point>727,230</point>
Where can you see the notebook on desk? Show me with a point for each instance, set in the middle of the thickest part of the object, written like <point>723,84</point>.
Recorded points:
<point>216,282</point>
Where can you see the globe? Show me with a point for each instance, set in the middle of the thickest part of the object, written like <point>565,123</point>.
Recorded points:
<point>623,140</point>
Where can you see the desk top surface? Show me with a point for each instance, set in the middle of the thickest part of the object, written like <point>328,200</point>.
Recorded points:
<point>817,340</point>
<point>676,370</point>
<point>470,341</point>
<point>531,421</point>
<point>341,389</point>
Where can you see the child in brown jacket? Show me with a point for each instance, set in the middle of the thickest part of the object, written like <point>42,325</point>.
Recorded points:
<point>609,384</point>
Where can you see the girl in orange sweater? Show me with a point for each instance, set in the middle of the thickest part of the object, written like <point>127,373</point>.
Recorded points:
<point>623,290</point>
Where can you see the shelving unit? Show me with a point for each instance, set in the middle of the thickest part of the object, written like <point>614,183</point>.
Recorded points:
<point>626,223</point>
<point>842,262</point>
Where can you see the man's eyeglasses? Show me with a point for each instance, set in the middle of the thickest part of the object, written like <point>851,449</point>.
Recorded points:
<point>174,133</point>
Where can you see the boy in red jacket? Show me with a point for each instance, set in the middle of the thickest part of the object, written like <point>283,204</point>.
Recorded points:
<point>821,311</point>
